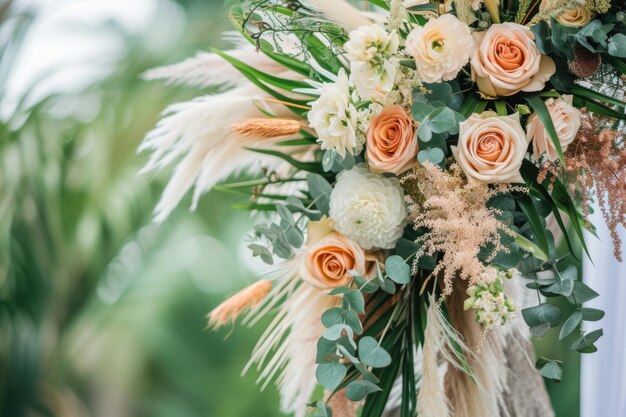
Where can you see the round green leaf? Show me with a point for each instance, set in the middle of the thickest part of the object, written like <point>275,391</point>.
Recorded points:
<point>541,315</point>
<point>330,375</point>
<point>372,354</point>
<point>433,155</point>
<point>332,317</point>
<point>357,390</point>
<point>398,270</point>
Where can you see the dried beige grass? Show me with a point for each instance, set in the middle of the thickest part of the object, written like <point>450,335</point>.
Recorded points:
<point>230,309</point>
<point>266,128</point>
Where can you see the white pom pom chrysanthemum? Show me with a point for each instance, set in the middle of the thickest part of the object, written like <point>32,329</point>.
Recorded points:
<point>368,208</point>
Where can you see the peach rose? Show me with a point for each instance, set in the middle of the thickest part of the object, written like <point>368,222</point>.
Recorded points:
<point>327,261</point>
<point>391,141</point>
<point>566,120</point>
<point>491,148</point>
<point>576,17</point>
<point>506,61</point>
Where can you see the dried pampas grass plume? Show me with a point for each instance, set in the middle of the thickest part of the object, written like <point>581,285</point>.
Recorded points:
<point>230,309</point>
<point>266,128</point>
<point>439,338</point>
<point>340,12</point>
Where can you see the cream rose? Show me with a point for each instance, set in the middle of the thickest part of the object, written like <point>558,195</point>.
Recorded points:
<point>506,61</point>
<point>576,17</point>
<point>330,256</point>
<point>391,142</point>
<point>566,120</point>
<point>441,48</point>
<point>491,148</point>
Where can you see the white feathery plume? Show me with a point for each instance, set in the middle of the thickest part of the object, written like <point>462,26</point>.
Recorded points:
<point>198,134</point>
<point>481,397</point>
<point>287,349</point>
<point>503,366</point>
<point>208,69</point>
<point>340,12</point>
<point>439,337</point>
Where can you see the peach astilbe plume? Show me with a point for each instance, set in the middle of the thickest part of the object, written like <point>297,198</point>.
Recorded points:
<point>454,212</point>
<point>230,309</point>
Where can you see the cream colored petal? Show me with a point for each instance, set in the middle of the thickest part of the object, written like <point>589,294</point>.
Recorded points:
<point>547,68</point>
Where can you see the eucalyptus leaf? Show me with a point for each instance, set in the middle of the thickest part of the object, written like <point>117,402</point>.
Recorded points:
<point>388,286</point>
<point>398,270</point>
<point>359,389</point>
<point>591,314</point>
<point>347,354</point>
<point>262,252</point>
<point>550,369</point>
<point>585,343</point>
<point>320,190</point>
<point>366,373</point>
<point>564,287</point>
<point>354,299</point>
<point>326,350</point>
<point>331,374</point>
<point>372,354</point>
<point>433,155</point>
<point>334,332</point>
<point>294,236</point>
<point>541,315</point>
<point>365,286</point>
<point>617,45</point>
<point>570,324</point>
<point>351,318</point>
<point>582,293</point>
<point>421,110</point>
<point>332,317</point>
<point>540,330</point>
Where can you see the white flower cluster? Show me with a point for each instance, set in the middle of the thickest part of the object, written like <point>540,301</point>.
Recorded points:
<point>373,67</point>
<point>368,208</point>
<point>492,307</point>
<point>334,117</point>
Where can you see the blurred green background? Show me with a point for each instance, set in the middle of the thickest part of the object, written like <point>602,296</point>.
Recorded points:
<point>102,313</point>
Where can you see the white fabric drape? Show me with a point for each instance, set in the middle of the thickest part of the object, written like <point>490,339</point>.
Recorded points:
<point>603,373</point>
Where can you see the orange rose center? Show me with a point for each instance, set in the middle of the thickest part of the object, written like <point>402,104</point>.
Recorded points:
<point>490,147</point>
<point>390,134</point>
<point>334,264</point>
<point>510,54</point>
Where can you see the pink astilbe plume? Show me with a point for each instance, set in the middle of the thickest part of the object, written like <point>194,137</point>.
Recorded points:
<point>597,162</point>
<point>454,212</point>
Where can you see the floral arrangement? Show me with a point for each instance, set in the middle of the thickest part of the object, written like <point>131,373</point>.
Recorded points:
<point>423,172</point>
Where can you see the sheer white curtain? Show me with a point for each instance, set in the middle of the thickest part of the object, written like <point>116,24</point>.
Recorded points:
<point>603,373</point>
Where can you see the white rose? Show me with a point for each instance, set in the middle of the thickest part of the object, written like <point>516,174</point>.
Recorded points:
<point>491,148</point>
<point>441,48</point>
<point>334,117</point>
<point>368,208</point>
<point>566,120</point>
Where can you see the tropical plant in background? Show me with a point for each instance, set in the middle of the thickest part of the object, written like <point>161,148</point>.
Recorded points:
<point>100,314</point>
<point>418,161</point>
